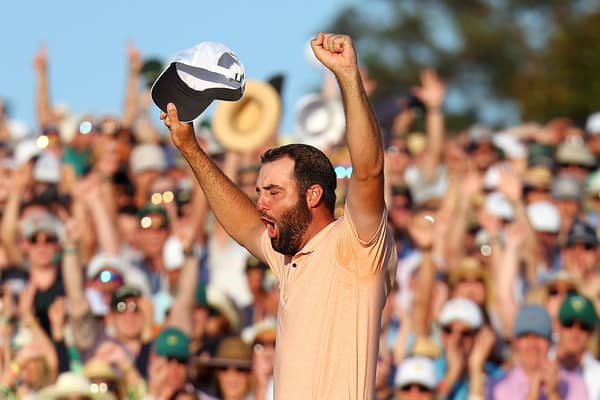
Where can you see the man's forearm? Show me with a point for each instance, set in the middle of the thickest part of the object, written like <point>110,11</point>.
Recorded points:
<point>362,129</point>
<point>232,208</point>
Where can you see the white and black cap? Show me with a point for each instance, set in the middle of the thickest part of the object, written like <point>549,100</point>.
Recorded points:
<point>196,76</point>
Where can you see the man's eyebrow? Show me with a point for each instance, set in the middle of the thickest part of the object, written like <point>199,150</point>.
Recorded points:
<point>269,187</point>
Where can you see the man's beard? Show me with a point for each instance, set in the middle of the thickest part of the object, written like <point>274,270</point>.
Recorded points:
<point>292,226</point>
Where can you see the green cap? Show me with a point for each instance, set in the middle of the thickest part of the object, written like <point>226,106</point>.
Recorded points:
<point>173,343</point>
<point>152,209</point>
<point>576,307</point>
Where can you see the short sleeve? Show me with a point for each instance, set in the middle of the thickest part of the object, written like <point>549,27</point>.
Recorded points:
<point>375,254</point>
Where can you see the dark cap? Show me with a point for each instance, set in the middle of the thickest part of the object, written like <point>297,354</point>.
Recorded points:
<point>123,293</point>
<point>580,232</point>
<point>576,307</point>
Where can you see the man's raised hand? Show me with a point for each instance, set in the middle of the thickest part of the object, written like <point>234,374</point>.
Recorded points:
<point>182,134</point>
<point>335,52</point>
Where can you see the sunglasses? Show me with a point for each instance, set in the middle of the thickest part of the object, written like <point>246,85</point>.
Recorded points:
<point>148,223</point>
<point>420,388</point>
<point>103,387</point>
<point>106,276</point>
<point>123,306</point>
<point>554,291</point>
<point>177,360</point>
<point>236,368</point>
<point>471,280</point>
<point>448,330</point>
<point>582,325</point>
<point>49,239</point>
<point>158,198</point>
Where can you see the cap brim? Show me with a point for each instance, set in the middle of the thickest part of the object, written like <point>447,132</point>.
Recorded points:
<point>224,362</point>
<point>190,103</point>
<point>169,88</point>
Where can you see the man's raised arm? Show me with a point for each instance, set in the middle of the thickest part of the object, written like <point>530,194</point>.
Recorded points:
<point>365,191</point>
<point>232,208</point>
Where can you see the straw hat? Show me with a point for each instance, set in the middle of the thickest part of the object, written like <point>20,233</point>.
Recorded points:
<point>247,124</point>
<point>71,384</point>
<point>319,122</point>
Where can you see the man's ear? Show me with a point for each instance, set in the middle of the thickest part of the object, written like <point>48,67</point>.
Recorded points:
<point>314,195</point>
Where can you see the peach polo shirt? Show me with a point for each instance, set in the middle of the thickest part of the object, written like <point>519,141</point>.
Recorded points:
<point>331,296</point>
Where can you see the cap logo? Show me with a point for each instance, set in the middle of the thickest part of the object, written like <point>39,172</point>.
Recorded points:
<point>172,340</point>
<point>577,303</point>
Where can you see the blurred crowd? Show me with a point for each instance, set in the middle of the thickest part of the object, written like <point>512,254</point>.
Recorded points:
<point>118,283</point>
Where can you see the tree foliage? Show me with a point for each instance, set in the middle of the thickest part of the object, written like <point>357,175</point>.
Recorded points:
<point>504,60</point>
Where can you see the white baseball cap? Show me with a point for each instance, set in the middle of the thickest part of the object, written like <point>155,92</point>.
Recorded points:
<point>147,157</point>
<point>497,204</point>
<point>544,216</point>
<point>196,76</point>
<point>104,260</point>
<point>463,310</point>
<point>592,125</point>
<point>419,370</point>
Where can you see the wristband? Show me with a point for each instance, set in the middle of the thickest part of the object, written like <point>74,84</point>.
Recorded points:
<point>70,250</point>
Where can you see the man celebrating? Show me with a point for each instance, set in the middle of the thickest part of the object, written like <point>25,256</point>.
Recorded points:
<point>332,273</point>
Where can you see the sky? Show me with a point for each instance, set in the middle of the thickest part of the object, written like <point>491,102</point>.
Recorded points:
<point>86,42</point>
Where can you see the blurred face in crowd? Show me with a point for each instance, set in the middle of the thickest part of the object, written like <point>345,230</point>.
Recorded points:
<point>577,171</point>
<point>568,210</point>
<point>574,336</point>
<point>283,210</point>
<point>397,158</point>
<point>41,248</point>
<point>162,193</point>
<point>176,373</point>
<point>264,347</point>
<point>536,194</point>
<point>579,259</point>
<point>234,381</point>
<point>128,226</point>
<point>34,372</point>
<point>247,182</point>
<point>531,352</point>
<point>556,293</point>
<point>255,278</point>
<point>127,319</point>
<point>154,231</point>
<point>462,333</point>
<point>454,156</point>
<point>106,282</point>
<point>472,288</point>
<point>400,211</point>
<point>199,318</point>
<point>415,391</point>
<point>484,154</point>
